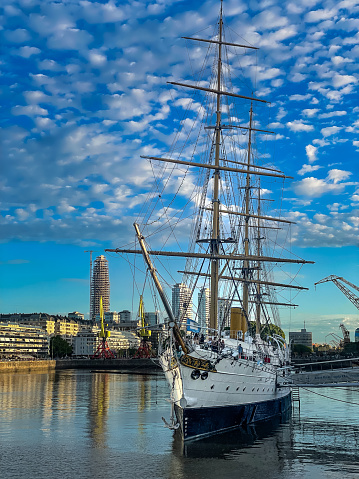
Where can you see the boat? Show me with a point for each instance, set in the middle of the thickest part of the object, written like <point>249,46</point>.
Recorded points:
<point>229,369</point>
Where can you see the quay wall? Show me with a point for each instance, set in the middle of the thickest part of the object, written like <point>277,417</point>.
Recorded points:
<point>122,365</point>
<point>26,366</point>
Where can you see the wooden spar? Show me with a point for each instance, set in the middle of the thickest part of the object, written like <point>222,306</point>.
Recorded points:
<point>269,218</point>
<point>159,288</point>
<point>217,92</point>
<point>254,281</point>
<point>234,257</point>
<point>247,128</point>
<point>220,42</point>
<point>214,167</point>
<point>253,166</point>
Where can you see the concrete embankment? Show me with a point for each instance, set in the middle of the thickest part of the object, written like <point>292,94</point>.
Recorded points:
<point>26,366</point>
<point>142,366</point>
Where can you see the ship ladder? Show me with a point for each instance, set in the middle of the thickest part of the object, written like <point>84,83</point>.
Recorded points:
<point>295,396</point>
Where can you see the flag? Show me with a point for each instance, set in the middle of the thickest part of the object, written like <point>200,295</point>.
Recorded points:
<point>193,326</point>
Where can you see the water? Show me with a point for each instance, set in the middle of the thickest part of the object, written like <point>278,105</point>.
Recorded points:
<point>78,424</point>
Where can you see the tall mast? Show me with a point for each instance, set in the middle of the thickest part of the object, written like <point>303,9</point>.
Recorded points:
<point>215,225</point>
<point>247,217</point>
<point>258,285</point>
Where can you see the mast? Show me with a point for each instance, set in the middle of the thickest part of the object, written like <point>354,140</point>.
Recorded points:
<point>247,217</point>
<point>213,313</point>
<point>258,285</point>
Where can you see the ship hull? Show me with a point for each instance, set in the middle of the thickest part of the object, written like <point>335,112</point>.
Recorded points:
<point>202,422</point>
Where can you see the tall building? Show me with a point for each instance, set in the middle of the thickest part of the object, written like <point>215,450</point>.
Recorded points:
<point>224,312</point>
<point>152,319</point>
<point>100,286</point>
<point>303,337</point>
<point>203,308</point>
<point>181,302</point>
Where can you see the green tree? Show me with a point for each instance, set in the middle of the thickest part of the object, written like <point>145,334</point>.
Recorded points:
<point>266,330</point>
<point>59,347</point>
<point>301,349</point>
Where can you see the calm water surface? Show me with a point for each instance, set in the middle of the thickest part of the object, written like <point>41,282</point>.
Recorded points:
<point>78,424</point>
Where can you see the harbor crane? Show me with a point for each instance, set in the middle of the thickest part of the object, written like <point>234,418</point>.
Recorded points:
<point>103,351</point>
<point>338,281</point>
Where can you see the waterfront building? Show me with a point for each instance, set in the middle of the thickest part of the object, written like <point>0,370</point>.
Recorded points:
<point>67,329</point>
<point>100,287</point>
<point>152,319</point>
<point>41,320</point>
<point>356,336</point>
<point>303,337</point>
<point>109,317</point>
<point>76,315</point>
<point>19,340</point>
<point>203,308</point>
<point>86,342</point>
<point>112,317</point>
<point>182,302</point>
<point>125,316</point>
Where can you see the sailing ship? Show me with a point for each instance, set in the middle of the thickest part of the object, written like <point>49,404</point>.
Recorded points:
<point>232,373</point>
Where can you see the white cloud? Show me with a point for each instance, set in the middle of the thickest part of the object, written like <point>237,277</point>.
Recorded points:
<point>27,51</point>
<point>338,175</point>
<point>330,130</point>
<point>311,152</point>
<point>332,113</point>
<point>342,80</point>
<point>308,169</point>
<point>298,97</point>
<point>29,110</point>
<point>310,112</point>
<point>298,125</point>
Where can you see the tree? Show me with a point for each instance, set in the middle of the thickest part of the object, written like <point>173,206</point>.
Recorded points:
<point>59,347</point>
<point>266,330</point>
<point>301,349</point>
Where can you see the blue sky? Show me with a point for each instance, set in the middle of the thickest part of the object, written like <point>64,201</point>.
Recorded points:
<point>84,95</point>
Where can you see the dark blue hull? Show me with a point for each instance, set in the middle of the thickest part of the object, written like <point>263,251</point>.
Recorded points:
<point>202,422</point>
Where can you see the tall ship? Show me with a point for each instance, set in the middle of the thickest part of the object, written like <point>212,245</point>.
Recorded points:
<point>230,367</point>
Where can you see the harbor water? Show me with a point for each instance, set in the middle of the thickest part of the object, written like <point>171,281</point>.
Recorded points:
<point>81,424</point>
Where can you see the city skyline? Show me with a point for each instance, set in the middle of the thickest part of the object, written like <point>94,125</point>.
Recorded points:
<point>85,95</point>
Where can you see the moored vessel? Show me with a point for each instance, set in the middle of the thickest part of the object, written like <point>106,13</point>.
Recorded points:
<point>233,370</point>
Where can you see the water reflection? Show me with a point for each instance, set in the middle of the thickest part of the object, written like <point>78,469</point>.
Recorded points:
<point>91,422</point>
<point>264,437</point>
<point>98,408</point>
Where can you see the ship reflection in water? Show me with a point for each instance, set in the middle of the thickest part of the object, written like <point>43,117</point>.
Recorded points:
<point>82,424</point>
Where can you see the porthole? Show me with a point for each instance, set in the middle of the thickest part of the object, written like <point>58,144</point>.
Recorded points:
<point>227,388</point>
<point>195,374</point>
<point>204,375</point>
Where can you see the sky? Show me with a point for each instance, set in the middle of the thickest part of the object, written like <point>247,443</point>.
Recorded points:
<point>84,94</point>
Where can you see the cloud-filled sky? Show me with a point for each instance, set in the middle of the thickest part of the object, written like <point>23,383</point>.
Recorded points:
<point>85,94</point>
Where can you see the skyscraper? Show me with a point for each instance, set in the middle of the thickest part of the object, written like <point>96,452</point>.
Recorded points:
<point>100,286</point>
<point>181,302</point>
<point>224,312</point>
<point>203,308</point>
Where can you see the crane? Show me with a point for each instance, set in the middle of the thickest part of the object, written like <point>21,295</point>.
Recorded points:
<point>103,351</point>
<point>338,281</point>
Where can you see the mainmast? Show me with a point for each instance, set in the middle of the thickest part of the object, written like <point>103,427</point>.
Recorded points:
<point>215,222</point>
<point>247,218</point>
